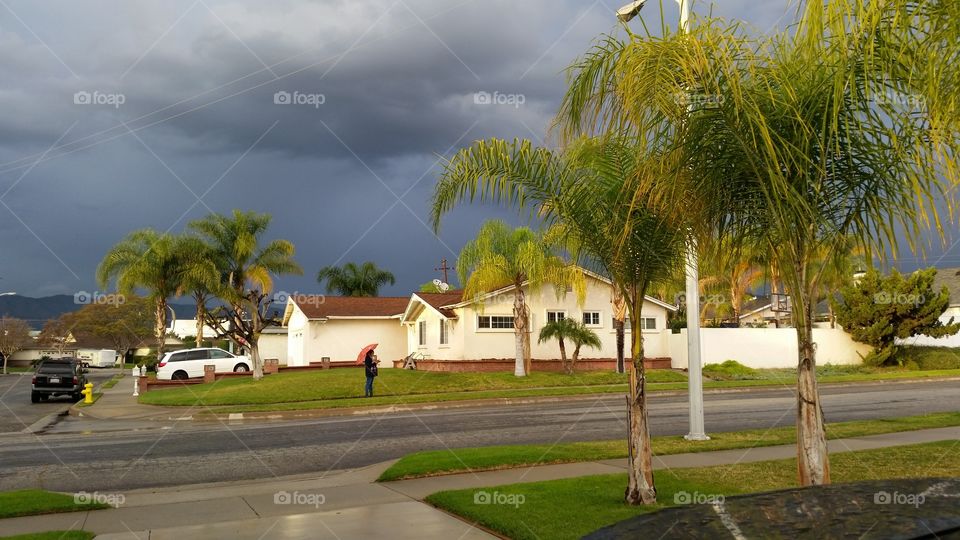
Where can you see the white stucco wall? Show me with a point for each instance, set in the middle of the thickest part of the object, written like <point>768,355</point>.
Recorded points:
<point>953,313</point>
<point>274,346</point>
<point>342,339</point>
<point>766,347</point>
<point>468,342</point>
<point>297,329</point>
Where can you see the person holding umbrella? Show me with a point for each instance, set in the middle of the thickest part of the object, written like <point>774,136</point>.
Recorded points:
<point>370,362</point>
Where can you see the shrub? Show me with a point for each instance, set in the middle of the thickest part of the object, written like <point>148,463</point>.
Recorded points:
<point>731,370</point>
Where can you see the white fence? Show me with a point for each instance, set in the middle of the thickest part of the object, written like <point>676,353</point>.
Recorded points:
<point>766,347</point>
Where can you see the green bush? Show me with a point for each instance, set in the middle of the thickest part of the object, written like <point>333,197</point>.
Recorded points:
<point>731,370</point>
<point>927,358</point>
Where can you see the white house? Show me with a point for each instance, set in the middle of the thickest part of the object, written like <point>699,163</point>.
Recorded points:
<point>338,327</point>
<point>445,327</point>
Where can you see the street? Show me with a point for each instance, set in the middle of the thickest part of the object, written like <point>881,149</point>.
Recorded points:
<point>16,410</point>
<point>85,454</point>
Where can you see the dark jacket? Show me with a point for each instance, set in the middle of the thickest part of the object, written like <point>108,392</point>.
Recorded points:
<point>370,367</point>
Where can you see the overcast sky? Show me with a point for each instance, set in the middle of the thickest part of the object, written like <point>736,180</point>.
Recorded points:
<point>119,115</point>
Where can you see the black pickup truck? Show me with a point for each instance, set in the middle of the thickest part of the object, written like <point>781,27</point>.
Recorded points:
<point>65,376</point>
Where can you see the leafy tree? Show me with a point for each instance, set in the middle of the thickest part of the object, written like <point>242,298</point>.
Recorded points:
<point>57,333</point>
<point>501,256</point>
<point>844,126</point>
<point>574,331</point>
<point>125,325</point>
<point>154,263</point>
<point>247,279</point>
<point>880,309</point>
<point>353,280</point>
<point>581,192</point>
<point>14,336</point>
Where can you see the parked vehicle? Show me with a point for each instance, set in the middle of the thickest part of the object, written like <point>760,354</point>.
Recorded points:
<point>188,363</point>
<point>58,377</point>
<point>104,358</point>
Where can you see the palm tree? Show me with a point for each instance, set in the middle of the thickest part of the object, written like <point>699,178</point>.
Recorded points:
<point>201,278</point>
<point>581,193</point>
<point>247,271</point>
<point>733,269</point>
<point>152,262</point>
<point>576,332</point>
<point>847,125</point>
<point>353,280</point>
<point>501,256</point>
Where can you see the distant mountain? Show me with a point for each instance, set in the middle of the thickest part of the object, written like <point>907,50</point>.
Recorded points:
<point>36,311</point>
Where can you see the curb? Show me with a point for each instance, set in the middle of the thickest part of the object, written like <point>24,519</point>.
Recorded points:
<point>464,404</point>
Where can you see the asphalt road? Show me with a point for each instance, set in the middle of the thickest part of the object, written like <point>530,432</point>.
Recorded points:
<point>16,410</point>
<point>187,452</point>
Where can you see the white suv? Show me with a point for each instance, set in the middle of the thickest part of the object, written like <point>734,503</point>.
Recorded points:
<point>188,363</point>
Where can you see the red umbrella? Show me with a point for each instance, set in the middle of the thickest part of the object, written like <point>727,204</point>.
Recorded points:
<point>363,354</point>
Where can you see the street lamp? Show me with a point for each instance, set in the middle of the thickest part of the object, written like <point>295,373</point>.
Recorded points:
<point>694,362</point>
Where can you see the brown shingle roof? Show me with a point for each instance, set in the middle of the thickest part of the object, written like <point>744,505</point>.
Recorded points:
<point>321,307</point>
<point>438,300</point>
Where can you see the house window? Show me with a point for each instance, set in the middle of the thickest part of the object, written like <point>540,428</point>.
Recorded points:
<point>627,325</point>
<point>648,323</point>
<point>591,318</point>
<point>444,338</point>
<point>423,333</point>
<point>491,322</point>
<point>554,316</point>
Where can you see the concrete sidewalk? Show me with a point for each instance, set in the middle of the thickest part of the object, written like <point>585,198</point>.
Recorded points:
<point>118,403</point>
<point>350,504</point>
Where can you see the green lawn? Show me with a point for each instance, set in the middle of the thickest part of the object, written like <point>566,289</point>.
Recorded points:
<point>113,381</point>
<point>29,502</point>
<point>571,508</point>
<point>438,462</point>
<point>53,535</point>
<point>342,387</point>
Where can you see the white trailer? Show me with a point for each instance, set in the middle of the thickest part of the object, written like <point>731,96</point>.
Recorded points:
<point>102,358</point>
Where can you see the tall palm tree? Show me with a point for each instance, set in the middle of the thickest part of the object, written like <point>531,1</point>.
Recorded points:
<point>576,332</point>
<point>734,269</point>
<point>148,261</point>
<point>353,280</point>
<point>581,193</point>
<point>846,125</point>
<point>501,256</point>
<point>247,275</point>
<point>203,271</point>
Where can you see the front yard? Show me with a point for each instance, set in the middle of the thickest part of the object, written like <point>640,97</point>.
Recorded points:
<point>343,387</point>
<point>571,508</point>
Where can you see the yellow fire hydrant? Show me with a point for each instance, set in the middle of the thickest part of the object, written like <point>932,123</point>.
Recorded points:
<point>87,393</point>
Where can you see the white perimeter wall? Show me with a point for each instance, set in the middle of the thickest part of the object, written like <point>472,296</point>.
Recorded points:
<point>342,339</point>
<point>274,346</point>
<point>948,341</point>
<point>766,347</point>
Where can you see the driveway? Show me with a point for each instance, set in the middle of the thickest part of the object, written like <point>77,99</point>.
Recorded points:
<point>16,411</point>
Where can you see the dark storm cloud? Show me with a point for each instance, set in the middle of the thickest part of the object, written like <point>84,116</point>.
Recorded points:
<point>198,128</point>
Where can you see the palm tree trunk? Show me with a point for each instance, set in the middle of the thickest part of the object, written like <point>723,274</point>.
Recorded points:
<point>735,305</point>
<point>618,325</point>
<point>520,330</point>
<point>563,356</point>
<point>160,327</point>
<point>813,461</point>
<point>573,359</point>
<point>640,486</point>
<point>201,317</point>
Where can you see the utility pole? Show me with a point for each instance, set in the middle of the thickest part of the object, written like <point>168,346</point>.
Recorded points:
<point>444,268</point>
